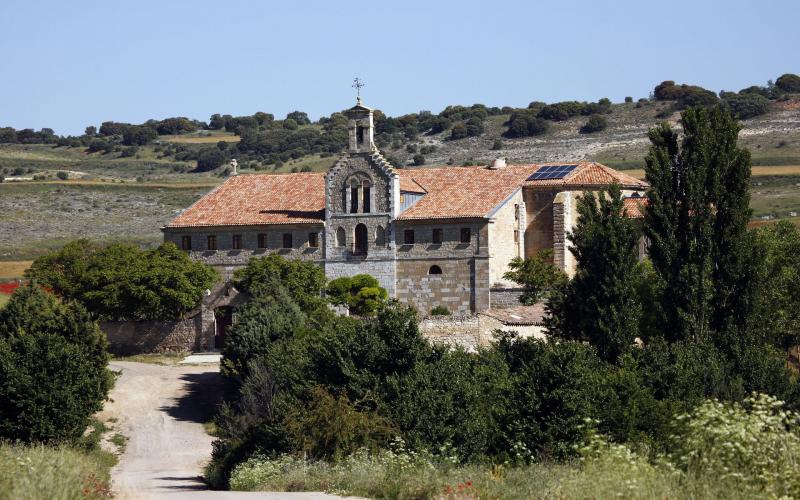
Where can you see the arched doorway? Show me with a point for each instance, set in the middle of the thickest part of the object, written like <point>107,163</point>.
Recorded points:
<point>360,240</point>
<point>223,320</point>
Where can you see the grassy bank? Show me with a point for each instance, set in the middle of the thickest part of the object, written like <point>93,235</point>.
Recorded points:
<point>609,475</point>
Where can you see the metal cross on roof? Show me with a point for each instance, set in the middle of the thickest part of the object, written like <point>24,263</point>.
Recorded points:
<point>357,84</point>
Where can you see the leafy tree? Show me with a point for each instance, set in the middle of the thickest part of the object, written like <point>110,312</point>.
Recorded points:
<point>209,159</point>
<point>497,144</point>
<point>299,117</point>
<point>419,160</point>
<point>62,175</point>
<point>90,131</point>
<point>747,105</point>
<point>122,282</point>
<point>360,293</point>
<point>525,124</point>
<point>595,123</point>
<point>179,125</point>
<point>53,373</point>
<point>628,99</point>
<point>696,222</point>
<point>8,135</point>
<point>136,135</point>
<point>459,131</point>
<point>788,83</point>
<point>537,274</point>
<point>601,303</point>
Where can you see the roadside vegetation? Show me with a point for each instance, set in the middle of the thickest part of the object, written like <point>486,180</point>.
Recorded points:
<point>638,392</point>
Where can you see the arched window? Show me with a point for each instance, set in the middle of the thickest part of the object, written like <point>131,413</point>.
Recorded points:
<point>340,235</point>
<point>366,204</point>
<point>380,237</point>
<point>360,240</point>
<point>353,196</point>
<point>435,270</point>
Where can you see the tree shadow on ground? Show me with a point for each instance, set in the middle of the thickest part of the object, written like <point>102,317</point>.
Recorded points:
<point>201,399</point>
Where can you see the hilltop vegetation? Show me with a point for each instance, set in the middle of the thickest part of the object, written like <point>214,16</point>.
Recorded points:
<point>456,135</point>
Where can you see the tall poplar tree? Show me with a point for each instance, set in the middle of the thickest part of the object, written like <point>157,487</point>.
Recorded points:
<point>696,223</point>
<point>601,304</point>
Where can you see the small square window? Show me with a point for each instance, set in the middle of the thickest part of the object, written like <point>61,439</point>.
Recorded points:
<point>438,236</point>
<point>287,240</point>
<point>313,240</point>
<point>186,242</point>
<point>212,242</point>
<point>236,242</point>
<point>262,240</point>
<point>466,235</point>
<point>408,237</point>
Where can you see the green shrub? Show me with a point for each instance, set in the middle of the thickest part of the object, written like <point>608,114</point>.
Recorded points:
<point>62,175</point>
<point>440,311</point>
<point>419,160</point>
<point>525,124</point>
<point>360,293</point>
<point>536,274</point>
<point>595,123</point>
<point>747,105</point>
<point>788,83</point>
<point>53,373</point>
<point>754,445</point>
<point>122,282</point>
<point>628,99</point>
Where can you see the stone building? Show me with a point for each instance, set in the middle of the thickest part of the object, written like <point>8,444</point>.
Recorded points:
<point>431,236</point>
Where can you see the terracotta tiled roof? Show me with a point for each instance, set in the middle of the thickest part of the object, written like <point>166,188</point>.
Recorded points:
<point>589,175</point>
<point>519,315</point>
<point>449,193</point>
<point>634,207</point>
<point>408,185</point>
<point>462,192</point>
<point>259,199</point>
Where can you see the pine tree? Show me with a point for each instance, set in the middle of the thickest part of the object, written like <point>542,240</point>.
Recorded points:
<point>601,302</point>
<point>696,223</point>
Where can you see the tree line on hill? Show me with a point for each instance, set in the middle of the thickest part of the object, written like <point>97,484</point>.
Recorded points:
<point>265,140</point>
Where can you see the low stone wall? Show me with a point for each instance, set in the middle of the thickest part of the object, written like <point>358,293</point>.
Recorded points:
<point>489,325</point>
<point>503,298</point>
<point>452,330</point>
<point>138,337</point>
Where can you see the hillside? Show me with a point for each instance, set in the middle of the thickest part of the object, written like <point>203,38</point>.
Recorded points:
<point>125,181</point>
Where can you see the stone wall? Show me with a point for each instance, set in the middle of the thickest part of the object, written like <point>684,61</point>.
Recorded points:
<point>539,218</point>
<point>451,330</point>
<point>505,239</point>
<point>503,298</point>
<point>138,337</point>
<point>487,326</point>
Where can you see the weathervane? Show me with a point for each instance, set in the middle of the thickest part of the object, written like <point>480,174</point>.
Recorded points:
<point>358,84</point>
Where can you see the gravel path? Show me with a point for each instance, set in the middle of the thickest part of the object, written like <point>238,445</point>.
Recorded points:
<point>161,410</point>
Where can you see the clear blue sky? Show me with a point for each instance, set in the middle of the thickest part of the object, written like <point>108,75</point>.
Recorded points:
<point>68,64</point>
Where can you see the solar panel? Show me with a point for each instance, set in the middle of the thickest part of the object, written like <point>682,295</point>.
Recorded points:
<point>551,172</point>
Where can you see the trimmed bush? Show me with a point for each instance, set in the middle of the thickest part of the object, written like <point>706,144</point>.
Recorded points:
<point>53,373</point>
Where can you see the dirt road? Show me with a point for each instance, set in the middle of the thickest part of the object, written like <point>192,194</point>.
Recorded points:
<point>161,410</point>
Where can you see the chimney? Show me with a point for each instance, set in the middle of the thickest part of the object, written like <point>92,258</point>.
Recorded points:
<point>498,163</point>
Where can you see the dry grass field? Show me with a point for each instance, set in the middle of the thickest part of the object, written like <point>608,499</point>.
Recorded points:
<point>13,269</point>
<point>202,138</point>
<point>758,171</point>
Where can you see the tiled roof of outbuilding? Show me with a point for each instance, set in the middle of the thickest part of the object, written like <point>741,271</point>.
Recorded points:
<point>634,207</point>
